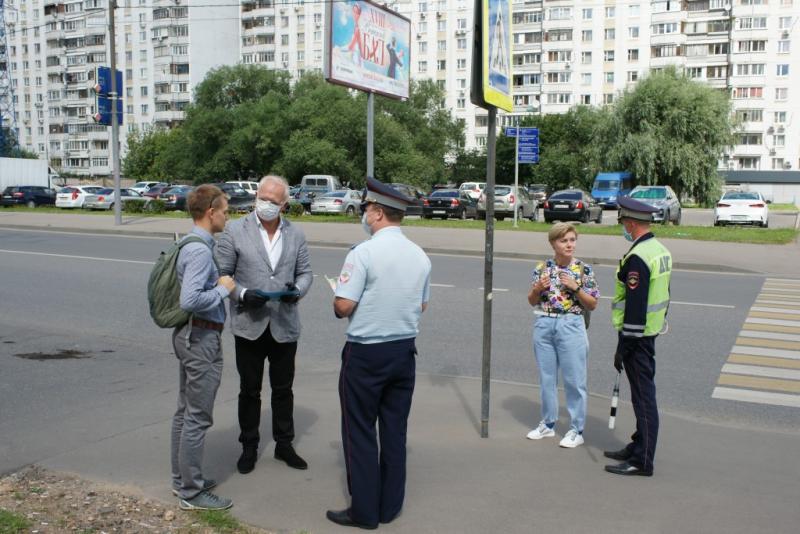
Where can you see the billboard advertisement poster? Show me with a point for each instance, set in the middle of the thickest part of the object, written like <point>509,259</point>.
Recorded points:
<point>368,48</point>
<point>497,53</point>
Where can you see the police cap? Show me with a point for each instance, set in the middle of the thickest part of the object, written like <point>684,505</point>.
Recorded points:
<point>630,208</point>
<point>385,195</point>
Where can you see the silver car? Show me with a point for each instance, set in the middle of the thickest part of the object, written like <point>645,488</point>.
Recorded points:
<point>104,199</point>
<point>342,202</point>
<point>508,198</point>
<point>661,197</point>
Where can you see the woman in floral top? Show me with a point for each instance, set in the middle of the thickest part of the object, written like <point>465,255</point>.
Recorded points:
<point>561,289</point>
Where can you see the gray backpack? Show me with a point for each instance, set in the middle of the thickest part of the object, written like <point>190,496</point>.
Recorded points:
<point>163,288</point>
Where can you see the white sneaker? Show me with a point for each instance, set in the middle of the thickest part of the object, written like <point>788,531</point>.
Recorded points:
<point>572,439</point>
<point>541,431</point>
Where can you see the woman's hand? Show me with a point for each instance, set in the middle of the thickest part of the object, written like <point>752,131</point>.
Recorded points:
<point>568,281</point>
<point>543,284</point>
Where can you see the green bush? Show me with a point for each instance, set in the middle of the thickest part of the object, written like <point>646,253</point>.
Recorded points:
<point>134,206</point>
<point>155,206</point>
<point>296,209</point>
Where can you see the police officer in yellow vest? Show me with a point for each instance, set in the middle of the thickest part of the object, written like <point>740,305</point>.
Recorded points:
<point>639,312</point>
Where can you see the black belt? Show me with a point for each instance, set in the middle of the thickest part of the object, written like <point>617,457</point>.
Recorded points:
<point>208,325</point>
<point>540,313</point>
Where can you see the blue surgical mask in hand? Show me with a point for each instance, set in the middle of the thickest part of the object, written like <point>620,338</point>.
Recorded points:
<point>267,210</point>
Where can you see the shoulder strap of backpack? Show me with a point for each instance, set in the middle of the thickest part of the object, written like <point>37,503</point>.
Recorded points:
<point>193,238</point>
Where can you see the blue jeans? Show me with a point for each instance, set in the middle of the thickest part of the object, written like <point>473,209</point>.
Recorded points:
<point>561,342</point>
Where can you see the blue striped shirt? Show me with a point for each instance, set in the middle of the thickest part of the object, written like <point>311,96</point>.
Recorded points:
<point>198,276</point>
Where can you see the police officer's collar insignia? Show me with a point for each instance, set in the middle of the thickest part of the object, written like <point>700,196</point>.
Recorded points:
<point>633,279</point>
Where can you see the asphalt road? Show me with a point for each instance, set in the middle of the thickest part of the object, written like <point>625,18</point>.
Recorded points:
<point>78,350</point>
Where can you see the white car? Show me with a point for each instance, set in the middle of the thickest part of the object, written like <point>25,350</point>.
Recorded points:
<point>473,189</point>
<point>73,196</point>
<point>143,187</point>
<point>742,207</point>
<point>250,187</point>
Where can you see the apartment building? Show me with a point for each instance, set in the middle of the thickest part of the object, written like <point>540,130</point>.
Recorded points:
<point>164,49</point>
<point>564,53</point>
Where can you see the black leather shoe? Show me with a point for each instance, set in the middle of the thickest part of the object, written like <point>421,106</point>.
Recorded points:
<point>286,454</point>
<point>342,518</point>
<point>623,455</point>
<point>628,470</point>
<point>247,461</point>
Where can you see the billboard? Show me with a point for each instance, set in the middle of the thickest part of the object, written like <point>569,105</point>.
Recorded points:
<point>497,53</point>
<point>368,48</point>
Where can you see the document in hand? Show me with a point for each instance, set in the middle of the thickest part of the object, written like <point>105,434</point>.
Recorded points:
<point>331,282</point>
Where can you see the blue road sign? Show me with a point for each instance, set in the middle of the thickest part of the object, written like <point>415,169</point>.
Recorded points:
<point>528,149</point>
<point>104,107</point>
<point>528,157</point>
<point>510,131</point>
<point>528,141</point>
<point>103,81</point>
<point>529,132</point>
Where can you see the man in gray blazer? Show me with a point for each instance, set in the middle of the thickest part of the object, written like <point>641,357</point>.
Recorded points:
<point>263,251</point>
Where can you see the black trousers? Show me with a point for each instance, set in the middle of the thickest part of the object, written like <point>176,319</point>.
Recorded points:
<point>250,356</point>
<point>376,384</point>
<point>640,367</point>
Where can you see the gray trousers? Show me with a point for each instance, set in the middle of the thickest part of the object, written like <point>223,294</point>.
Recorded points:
<point>200,372</point>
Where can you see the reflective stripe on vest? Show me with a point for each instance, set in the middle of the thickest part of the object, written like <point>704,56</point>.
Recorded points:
<point>659,261</point>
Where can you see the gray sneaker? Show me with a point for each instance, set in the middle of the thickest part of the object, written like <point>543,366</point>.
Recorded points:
<point>206,500</point>
<point>207,485</point>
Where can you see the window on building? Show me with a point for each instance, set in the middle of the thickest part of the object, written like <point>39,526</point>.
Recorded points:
<point>422,47</point>
<point>608,98</point>
<point>781,93</point>
<point>750,69</point>
<point>586,58</point>
<point>633,76</point>
<point>422,66</point>
<point>633,32</point>
<point>608,77</point>
<point>752,46</point>
<point>586,36</point>
<point>717,72</point>
<point>586,13</point>
<point>608,55</point>
<point>782,70</point>
<point>777,164</point>
<point>748,92</point>
<point>633,10</point>
<point>749,115</point>
<point>784,47</point>
<point>779,116</point>
<point>559,98</point>
<point>748,162</point>
<point>586,78</point>
<point>441,64</point>
<point>611,12</point>
<point>779,141</point>
<point>441,46</point>
<point>633,54</point>
<point>784,23</point>
<point>461,64</point>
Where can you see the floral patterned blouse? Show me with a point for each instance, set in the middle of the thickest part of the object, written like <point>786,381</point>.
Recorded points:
<point>558,299</point>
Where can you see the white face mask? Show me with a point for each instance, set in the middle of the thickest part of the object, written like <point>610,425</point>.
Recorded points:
<point>267,210</point>
<point>365,225</point>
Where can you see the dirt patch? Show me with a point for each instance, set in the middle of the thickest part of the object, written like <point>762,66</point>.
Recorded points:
<point>62,354</point>
<point>54,502</point>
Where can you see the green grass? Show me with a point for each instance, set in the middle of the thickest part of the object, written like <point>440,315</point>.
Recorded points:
<point>783,207</point>
<point>11,523</point>
<point>220,520</point>
<point>731,234</point>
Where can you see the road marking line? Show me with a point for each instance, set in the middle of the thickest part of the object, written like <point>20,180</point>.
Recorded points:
<point>784,311</point>
<point>752,370</point>
<point>69,256</point>
<point>774,315</point>
<point>765,361</point>
<point>775,304</point>
<point>781,297</point>
<point>761,320</point>
<point>788,281</point>
<point>767,289</point>
<point>683,303</point>
<point>441,285</point>
<point>769,335</point>
<point>754,382</point>
<point>770,343</point>
<point>497,289</point>
<point>771,328</point>
<point>762,351</point>
<point>757,397</point>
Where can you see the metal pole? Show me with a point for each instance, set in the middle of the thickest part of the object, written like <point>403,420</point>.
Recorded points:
<point>112,5</point>
<point>371,134</point>
<point>516,173</point>
<point>486,368</point>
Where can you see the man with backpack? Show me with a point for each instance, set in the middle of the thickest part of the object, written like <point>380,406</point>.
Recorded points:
<point>198,347</point>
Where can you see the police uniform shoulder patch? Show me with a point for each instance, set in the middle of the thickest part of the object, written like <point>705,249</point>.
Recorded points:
<point>345,275</point>
<point>633,280</point>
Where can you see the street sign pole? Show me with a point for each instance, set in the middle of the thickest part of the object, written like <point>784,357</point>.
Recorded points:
<point>114,97</point>
<point>488,273</point>
<point>516,172</point>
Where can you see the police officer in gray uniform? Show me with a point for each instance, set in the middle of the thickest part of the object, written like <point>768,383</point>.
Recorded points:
<point>383,289</point>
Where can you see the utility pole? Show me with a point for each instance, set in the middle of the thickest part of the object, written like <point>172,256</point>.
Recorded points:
<point>516,173</point>
<point>114,94</point>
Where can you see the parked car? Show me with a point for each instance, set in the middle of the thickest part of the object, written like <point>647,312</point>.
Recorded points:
<point>507,199</point>
<point>539,192</point>
<point>609,186</point>
<point>661,197</point>
<point>239,200</point>
<point>306,195</point>
<point>156,190</point>
<point>473,189</point>
<point>446,203</point>
<point>143,187</point>
<point>250,187</point>
<point>742,207</point>
<point>572,205</point>
<point>415,194</point>
<point>28,195</point>
<point>326,182</point>
<point>293,190</point>
<point>73,196</point>
<point>104,199</point>
<point>343,202</point>
<point>175,197</point>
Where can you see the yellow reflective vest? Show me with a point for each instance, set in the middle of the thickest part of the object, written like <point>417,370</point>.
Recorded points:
<point>659,261</point>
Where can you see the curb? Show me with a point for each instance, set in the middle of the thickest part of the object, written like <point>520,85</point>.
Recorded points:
<point>684,266</point>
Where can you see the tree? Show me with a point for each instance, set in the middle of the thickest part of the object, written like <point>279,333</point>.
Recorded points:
<point>231,85</point>
<point>669,130</point>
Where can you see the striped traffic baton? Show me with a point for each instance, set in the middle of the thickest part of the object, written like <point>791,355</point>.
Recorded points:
<point>612,418</point>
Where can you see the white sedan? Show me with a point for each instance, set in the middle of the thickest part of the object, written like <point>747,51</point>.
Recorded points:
<point>742,207</point>
<point>73,196</point>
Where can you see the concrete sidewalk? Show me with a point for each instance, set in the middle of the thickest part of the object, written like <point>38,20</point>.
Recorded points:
<point>773,260</point>
<point>708,478</point>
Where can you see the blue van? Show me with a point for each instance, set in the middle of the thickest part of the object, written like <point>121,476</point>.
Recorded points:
<point>608,186</point>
